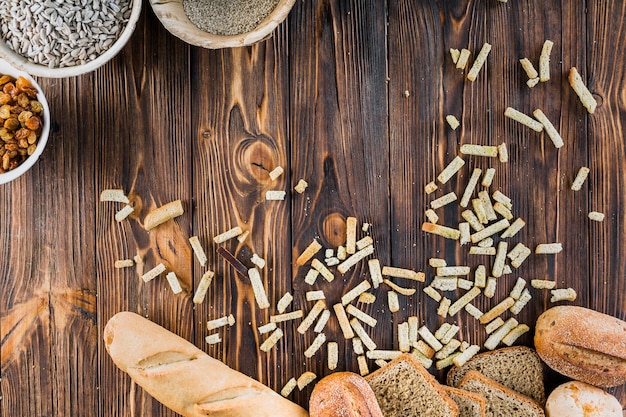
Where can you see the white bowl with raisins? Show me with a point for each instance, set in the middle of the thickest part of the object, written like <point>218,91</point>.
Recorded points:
<point>24,122</point>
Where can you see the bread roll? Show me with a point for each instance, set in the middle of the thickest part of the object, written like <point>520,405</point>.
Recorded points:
<point>343,394</point>
<point>583,344</point>
<point>183,377</point>
<point>577,399</point>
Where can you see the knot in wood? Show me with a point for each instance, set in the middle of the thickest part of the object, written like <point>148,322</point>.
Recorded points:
<point>334,229</point>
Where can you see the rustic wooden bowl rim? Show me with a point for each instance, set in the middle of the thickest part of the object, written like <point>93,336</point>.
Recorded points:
<point>22,63</point>
<point>175,20</point>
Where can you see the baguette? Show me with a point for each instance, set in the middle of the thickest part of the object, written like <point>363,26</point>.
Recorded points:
<point>583,344</point>
<point>184,378</point>
<point>343,394</point>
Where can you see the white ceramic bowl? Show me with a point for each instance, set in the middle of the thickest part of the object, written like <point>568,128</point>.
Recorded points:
<point>39,70</point>
<point>5,68</point>
<point>172,15</point>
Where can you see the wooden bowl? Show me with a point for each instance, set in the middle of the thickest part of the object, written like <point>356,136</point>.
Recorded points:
<point>173,17</point>
<point>9,176</point>
<point>22,63</point>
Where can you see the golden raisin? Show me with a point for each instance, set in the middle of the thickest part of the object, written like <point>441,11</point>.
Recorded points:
<point>5,78</point>
<point>32,137</point>
<point>5,111</point>
<point>31,149</point>
<point>33,122</point>
<point>10,89</point>
<point>23,100</point>
<point>36,106</point>
<point>23,133</point>
<point>24,116</point>
<point>12,123</point>
<point>4,98</point>
<point>23,143</point>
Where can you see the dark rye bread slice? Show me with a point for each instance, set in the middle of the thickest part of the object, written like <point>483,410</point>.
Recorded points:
<point>518,368</point>
<point>501,401</point>
<point>470,404</point>
<point>404,388</point>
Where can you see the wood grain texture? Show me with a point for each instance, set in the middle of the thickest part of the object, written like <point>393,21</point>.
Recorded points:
<point>350,95</point>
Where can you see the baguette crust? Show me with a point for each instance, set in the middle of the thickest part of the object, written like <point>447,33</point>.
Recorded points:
<point>583,344</point>
<point>343,394</point>
<point>183,377</point>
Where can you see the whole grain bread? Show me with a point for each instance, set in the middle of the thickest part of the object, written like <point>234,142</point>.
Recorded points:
<point>404,388</point>
<point>518,368</point>
<point>470,404</point>
<point>501,401</point>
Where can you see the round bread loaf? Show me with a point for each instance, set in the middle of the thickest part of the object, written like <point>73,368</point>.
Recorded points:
<point>343,394</point>
<point>577,399</point>
<point>583,344</point>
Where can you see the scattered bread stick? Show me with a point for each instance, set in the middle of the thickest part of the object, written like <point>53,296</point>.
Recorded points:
<point>351,295</point>
<point>480,211</point>
<point>305,379</point>
<point>284,302</point>
<point>519,287</point>
<point>431,187</point>
<point>502,210</point>
<point>563,294</point>
<point>512,230</point>
<point>548,248</point>
<point>400,290</point>
<point>521,302</point>
<point>258,289</point>
<point>276,172</point>
<point>480,150</point>
<point>586,98</point>
<point>266,328</point>
<point>462,301</point>
<point>487,205</point>
<point>444,306</point>
<point>431,216</point>
<point>496,337</point>
<point>432,293</point>
<point>455,54</point>
<point>461,62</point>
<point>279,318</point>
<point>503,153</point>
<point>494,325</point>
<point>311,276</point>
<point>464,228</point>
<point>393,302</point>
<point>321,323</point>
<point>317,343</point>
<point>213,339</point>
<point>453,122</point>
<point>490,288</point>
<point>387,355</point>
<point>583,172</point>
<point>360,315</point>
<point>543,284</point>
<point>124,263</point>
<point>469,189</point>
<point>480,276</point>
<point>221,322</point>
<point>437,262</point>
<point>501,198</point>
<point>289,387</point>
<point>443,200</point>
<point>473,311</point>
<point>258,261</point>
<point>553,134</point>
<point>490,230</point>
<point>442,231</point>
<point>498,263</point>
<point>473,221</point>
<point>172,279</point>
<point>479,62</point>
<point>544,61</point>
<point>395,272</point>
<point>596,216</point>
<point>451,169</point>
<point>321,268</point>
<point>227,235</point>
<point>351,223</point>
<point>197,250</point>
<point>114,195</point>
<point>153,273</point>
<point>477,250</point>
<point>514,334</point>
<point>529,68</point>
<point>203,286</point>
<point>122,214</point>
<point>444,283</point>
<point>242,237</point>
<point>309,252</point>
<point>344,323</point>
<point>404,345</point>
<point>363,243</point>
<point>163,214</point>
<point>315,295</point>
<point>375,272</point>
<point>333,355</point>
<point>467,354</point>
<point>363,367</point>
<point>301,186</point>
<point>424,348</point>
<point>449,271</point>
<point>488,177</point>
<point>429,338</point>
<point>520,117</point>
<point>360,331</point>
<point>500,308</point>
<point>275,195</point>
<point>354,259</point>
<point>532,82</point>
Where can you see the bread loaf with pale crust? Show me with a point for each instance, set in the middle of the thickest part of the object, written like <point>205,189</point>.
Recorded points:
<point>184,378</point>
<point>343,394</point>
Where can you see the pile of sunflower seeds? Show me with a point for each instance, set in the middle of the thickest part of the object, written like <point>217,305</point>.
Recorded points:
<point>62,33</point>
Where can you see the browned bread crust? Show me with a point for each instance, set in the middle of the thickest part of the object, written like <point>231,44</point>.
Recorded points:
<point>343,394</point>
<point>583,344</point>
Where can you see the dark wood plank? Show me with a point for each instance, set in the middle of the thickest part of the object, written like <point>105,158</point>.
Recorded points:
<point>604,74</point>
<point>340,146</point>
<point>49,329</point>
<point>144,147</point>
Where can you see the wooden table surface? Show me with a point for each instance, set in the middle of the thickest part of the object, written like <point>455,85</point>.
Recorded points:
<point>351,96</point>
